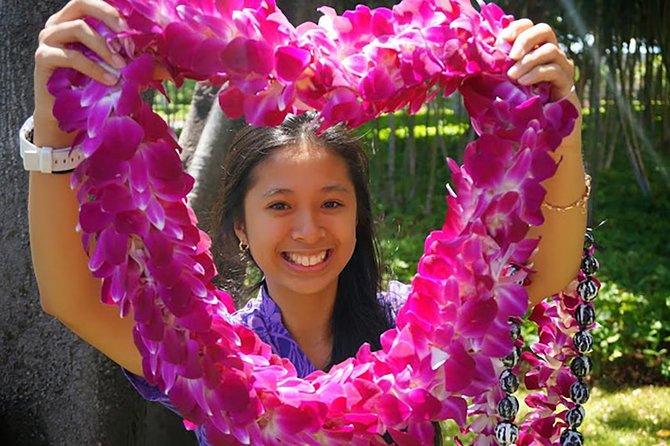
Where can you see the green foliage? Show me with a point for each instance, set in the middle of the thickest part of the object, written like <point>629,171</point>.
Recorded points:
<point>634,303</point>
<point>175,109</point>
<point>402,243</point>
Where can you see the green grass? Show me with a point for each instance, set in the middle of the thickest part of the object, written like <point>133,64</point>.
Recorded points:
<point>633,417</point>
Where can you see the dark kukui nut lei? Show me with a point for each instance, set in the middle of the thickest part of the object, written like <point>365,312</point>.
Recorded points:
<point>506,432</point>
<point>581,365</point>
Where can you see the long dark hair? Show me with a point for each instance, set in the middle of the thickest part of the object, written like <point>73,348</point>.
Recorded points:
<point>358,317</point>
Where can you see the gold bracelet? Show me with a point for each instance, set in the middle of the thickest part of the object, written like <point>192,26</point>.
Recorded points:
<point>581,203</point>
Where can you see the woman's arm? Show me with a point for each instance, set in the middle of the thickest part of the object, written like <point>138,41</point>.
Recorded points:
<point>539,59</point>
<point>562,233</point>
<point>68,291</point>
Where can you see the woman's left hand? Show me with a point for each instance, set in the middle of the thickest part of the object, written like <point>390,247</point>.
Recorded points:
<point>538,57</point>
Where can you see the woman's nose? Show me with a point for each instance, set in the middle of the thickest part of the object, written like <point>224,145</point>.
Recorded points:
<point>308,227</point>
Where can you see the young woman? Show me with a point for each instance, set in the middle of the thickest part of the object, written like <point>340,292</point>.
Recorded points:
<point>294,203</point>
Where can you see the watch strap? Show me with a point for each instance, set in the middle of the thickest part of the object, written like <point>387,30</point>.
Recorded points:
<point>45,159</point>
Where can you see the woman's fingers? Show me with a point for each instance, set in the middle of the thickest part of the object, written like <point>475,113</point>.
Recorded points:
<point>52,56</point>
<point>77,9</point>
<point>79,31</point>
<point>553,73</point>
<point>68,26</point>
<point>530,38</point>
<point>548,53</point>
<point>64,28</point>
<point>538,57</point>
<point>515,28</point>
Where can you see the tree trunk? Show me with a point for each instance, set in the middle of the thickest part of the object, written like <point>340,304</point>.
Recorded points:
<point>441,121</point>
<point>207,160</point>
<point>628,125</point>
<point>390,172</point>
<point>377,173</point>
<point>595,142</point>
<point>411,158</point>
<point>612,129</point>
<point>201,104</point>
<point>432,142</point>
<point>54,388</point>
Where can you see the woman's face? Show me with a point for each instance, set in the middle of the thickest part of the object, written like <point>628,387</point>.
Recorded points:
<point>300,220</point>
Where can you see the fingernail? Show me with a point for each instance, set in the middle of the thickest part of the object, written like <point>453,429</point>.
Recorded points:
<point>513,71</point>
<point>524,80</point>
<point>121,24</point>
<point>109,78</point>
<point>107,68</point>
<point>118,61</point>
<point>113,45</point>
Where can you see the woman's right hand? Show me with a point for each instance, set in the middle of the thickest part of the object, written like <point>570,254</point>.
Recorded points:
<point>61,29</point>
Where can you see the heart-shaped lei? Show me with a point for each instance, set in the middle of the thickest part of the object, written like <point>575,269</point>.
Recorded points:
<point>143,240</point>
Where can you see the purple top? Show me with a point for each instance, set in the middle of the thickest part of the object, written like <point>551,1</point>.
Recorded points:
<point>262,315</point>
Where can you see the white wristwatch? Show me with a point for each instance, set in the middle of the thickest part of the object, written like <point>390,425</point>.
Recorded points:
<point>45,159</point>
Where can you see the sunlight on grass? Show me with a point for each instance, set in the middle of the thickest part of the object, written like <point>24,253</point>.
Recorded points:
<point>631,417</point>
<point>634,417</point>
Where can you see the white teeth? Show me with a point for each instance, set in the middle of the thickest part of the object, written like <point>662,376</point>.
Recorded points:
<point>307,260</point>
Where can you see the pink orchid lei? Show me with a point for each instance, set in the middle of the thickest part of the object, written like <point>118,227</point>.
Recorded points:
<point>144,242</point>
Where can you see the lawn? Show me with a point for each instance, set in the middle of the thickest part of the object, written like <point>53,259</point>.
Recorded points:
<point>631,417</point>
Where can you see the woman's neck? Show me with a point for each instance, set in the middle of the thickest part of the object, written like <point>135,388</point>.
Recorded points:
<point>307,317</point>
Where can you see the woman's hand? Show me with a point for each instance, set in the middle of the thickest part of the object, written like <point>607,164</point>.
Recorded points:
<point>538,57</point>
<point>63,28</point>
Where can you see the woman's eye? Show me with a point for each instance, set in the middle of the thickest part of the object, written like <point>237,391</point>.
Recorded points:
<point>278,206</point>
<point>332,204</point>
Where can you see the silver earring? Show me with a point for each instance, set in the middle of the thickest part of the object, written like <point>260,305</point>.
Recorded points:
<point>244,247</point>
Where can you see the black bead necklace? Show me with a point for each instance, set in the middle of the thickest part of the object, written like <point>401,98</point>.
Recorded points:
<point>581,365</point>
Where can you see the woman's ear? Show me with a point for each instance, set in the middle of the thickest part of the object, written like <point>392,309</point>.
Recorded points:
<point>240,231</point>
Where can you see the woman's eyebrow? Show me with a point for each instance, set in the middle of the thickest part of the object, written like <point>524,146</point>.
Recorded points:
<point>276,191</point>
<point>285,191</point>
<point>335,188</point>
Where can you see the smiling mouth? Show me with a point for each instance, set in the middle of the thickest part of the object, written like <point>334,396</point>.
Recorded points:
<point>303,260</point>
